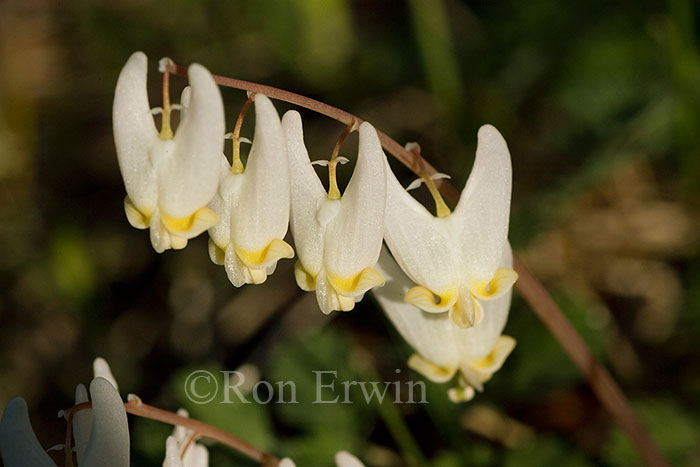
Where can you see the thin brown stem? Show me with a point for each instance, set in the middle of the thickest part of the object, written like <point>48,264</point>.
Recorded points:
<point>201,429</point>
<point>541,302</point>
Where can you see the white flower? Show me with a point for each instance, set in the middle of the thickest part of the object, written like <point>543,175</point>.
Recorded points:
<point>443,349</point>
<point>169,179</point>
<point>182,451</point>
<point>253,204</point>
<point>456,258</point>
<point>342,459</point>
<point>101,433</point>
<point>337,239</point>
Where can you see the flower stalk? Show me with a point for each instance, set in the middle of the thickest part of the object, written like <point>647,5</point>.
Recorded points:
<point>236,164</point>
<point>604,386</point>
<point>199,428</point>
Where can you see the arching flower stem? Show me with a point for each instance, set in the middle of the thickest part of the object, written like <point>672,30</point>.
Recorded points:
<point>200,429</point>
<point>604,386</point>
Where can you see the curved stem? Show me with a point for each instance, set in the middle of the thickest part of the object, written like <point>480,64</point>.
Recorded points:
<point>604,386</point>
<point>202,430</point>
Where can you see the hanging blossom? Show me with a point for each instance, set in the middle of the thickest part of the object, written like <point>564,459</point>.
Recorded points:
<point>444,349</point>
<point>253,202</point>
<point>101,433</point>
<point>337,238</point>
<point>456,257</point>
<point>169,177</point>
<point>342,459</point>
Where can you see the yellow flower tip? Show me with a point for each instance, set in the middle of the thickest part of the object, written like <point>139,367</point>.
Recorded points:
<point>466,312</point>
<point>217,254</point>
<point>502,281</point>
<point>480,370</point>
<point>433,372</point>
<point>367,279</point>
<point>346,303</point>
<point>178,243</point>
<point>193,225</point>
<point>305,280</point>
<point>427,300</point>
<point>135,216</point>
<point>260,259</point>
<point>494,360</point>
<point>257,275</point>
<point>461,394</point>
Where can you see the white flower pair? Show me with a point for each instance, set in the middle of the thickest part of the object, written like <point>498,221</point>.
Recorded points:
<point>181,185</point>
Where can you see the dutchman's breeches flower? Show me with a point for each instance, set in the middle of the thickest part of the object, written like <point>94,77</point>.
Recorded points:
<point>456,257</point>
<point>444,349</point>
<point>253,203</point>
<point>169,178</point>
<point>338,239</point>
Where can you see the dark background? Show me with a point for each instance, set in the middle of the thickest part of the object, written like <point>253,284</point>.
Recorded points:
<point>599,102</point>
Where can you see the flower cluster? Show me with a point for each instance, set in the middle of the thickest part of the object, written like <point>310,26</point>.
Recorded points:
<point>450,302</point>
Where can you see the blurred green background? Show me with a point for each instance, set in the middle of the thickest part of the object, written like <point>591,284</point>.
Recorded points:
<point>599,102</point>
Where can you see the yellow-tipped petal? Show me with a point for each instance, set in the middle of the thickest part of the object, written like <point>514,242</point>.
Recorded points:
<point>367,279</point>
<point>427,300</point>
<point>178,243</point>
<point>273,252</point>
<point>433,372</point>
<point>216,253</point>
<point>305,280</point>
<point>135,217</point>
<point>502,281</point>
<point>478,371</point>
<point>467,311</point>
<point>461,394</point>
<point>346,303</point>
<point>193,225</point>
<point>257,276</point>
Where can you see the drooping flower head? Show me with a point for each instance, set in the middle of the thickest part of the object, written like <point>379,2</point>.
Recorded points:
<point>169,178</point>
<point>337,238</point>
<point>443,349</point>
<point>253,203</point>
<point>456,257</point>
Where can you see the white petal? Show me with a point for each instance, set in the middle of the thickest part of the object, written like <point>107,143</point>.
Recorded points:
<point>432,335</point>
<point>109,438</point>
<point>287,462</point>
<point>135,132</point>
<point>262,213</point>
<point>354,236</point>
<point>196,456</point>
<point>82,424</point>
<point>18,442</point>
<point>483,336</point>
<point>345,459</point>
<point>188,179</point>
<point>480,220</point>
<point>101,369</point>
<point>306,194</point>
<point>172,453</point>
<point>419,241</point>
<point>185,99</point>
<point>222,203</point>
<point>160,237</point>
